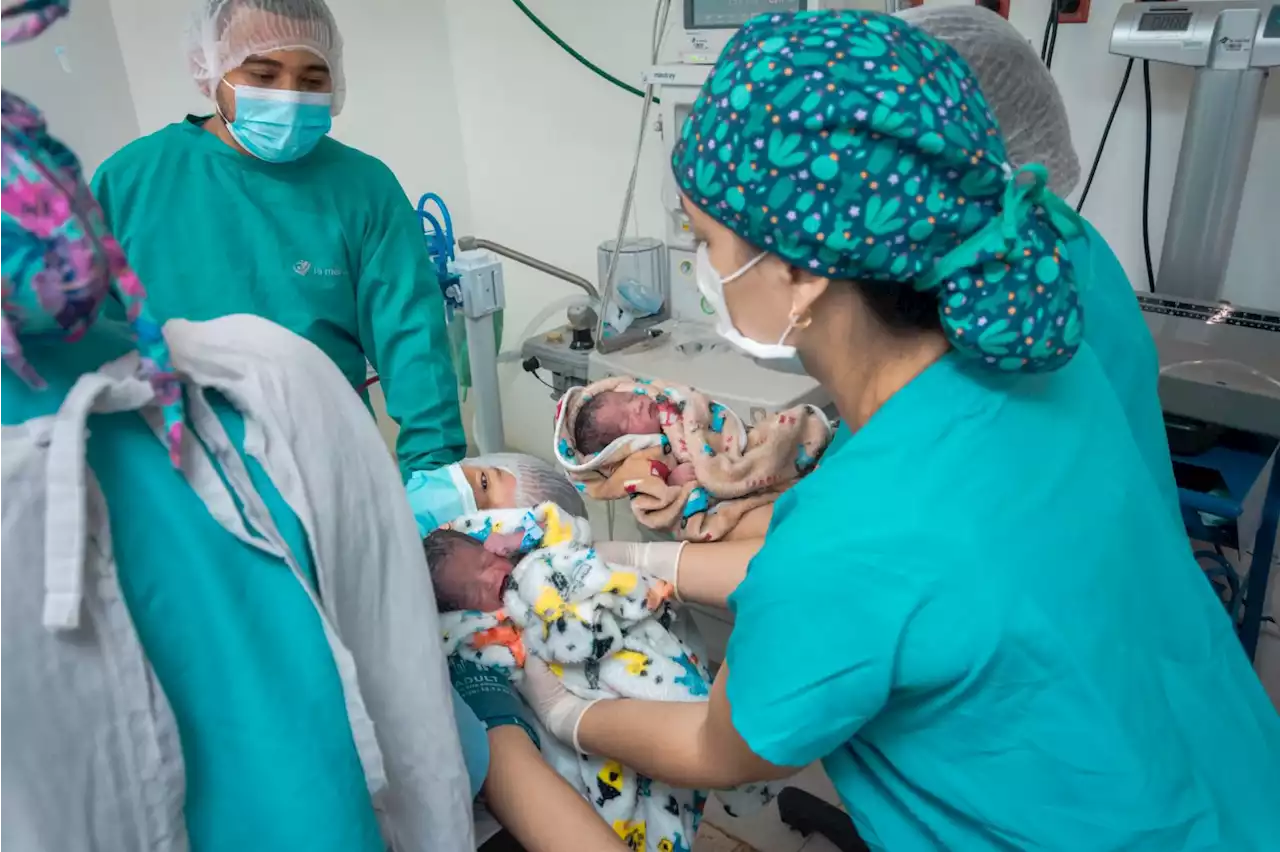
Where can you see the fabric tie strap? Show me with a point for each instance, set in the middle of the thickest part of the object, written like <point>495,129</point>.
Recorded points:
<point>1022,200</point>
<point>1008,294</point>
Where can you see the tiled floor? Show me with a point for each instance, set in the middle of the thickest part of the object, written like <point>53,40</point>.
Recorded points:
<point>765,831</point>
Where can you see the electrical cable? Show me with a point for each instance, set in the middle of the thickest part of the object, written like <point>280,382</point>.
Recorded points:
<point>599,72</point>
<point>1146,181</point>
<point>1048,25</point>
<point>1225,571</point>
<point>1106,131</point>
<point>1050,43</point>
<point>532,366</point>
<point>660,14</point>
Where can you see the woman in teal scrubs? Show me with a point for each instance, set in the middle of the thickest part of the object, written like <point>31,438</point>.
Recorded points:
<point>977,611</point>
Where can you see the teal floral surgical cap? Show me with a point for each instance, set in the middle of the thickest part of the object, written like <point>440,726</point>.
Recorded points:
<point>853,145</point>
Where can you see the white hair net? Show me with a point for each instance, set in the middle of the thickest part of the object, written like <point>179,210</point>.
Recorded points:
<point>1018,87</point>
<point>224,33</point>
<point>537,481</point>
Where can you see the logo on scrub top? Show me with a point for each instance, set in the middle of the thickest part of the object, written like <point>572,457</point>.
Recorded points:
<point>304,268</point>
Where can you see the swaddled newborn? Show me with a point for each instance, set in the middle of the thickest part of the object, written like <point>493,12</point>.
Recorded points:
<point>608,416</point>
<point>512,583</point>
<point>688,464</point>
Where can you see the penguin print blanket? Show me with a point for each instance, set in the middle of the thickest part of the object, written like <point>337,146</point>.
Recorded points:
<point>608,633</point>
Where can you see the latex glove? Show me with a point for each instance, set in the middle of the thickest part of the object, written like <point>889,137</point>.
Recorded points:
<point>559,710</point>
<point>658,559</point>
<point>490,695</point>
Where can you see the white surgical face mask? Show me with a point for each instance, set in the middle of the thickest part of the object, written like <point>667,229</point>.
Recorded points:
<point>779,356</point>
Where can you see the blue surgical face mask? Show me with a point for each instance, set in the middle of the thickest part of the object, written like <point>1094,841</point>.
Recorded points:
<point>279,125</point>
<point>439,497</point>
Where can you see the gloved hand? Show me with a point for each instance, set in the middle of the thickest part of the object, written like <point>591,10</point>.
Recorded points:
<point>559,710</point>
<point>658,559</point>
<point>490,695</point>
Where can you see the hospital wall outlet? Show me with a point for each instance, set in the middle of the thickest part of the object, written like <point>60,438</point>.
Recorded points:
<point>1073,11</point>
<point>1000,7</point>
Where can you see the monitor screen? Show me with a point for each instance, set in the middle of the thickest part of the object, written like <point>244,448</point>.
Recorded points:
<point>731,14</point>
<point>1164,22</point>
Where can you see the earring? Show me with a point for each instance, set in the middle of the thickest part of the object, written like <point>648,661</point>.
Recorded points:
<point>800,322</point>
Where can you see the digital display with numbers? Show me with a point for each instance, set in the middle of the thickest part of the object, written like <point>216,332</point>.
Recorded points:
<point>731,14</point>
<point>1164,22</point>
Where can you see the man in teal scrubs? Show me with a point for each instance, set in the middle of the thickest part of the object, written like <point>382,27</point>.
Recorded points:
<point>255,210</point>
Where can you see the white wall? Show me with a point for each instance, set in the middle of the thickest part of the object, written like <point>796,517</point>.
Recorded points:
<point>400,103</point>
<point>152,40</point>
<point>74,74</point>
<point>548,148</point>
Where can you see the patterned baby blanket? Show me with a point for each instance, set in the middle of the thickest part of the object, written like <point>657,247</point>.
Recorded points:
<point>607,632</point>
<point>738,470</point>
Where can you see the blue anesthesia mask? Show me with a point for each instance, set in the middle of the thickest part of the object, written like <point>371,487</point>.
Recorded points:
<point>279,125</point>
<point>439,496</point>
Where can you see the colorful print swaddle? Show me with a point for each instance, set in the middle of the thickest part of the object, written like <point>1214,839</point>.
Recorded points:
<point>737,469</point>
<point>606,632</point>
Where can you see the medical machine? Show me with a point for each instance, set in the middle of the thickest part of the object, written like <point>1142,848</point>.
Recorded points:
<point>563,350</point>
<point>1220,362</point>
<point>640,294</point>
<point>470,281</point>
<point>708,24</point>
<point>1232,44</point>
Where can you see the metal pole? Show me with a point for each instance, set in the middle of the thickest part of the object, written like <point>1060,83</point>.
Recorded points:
<point>1217,141</point>
<point>472,243</point>
<point>481,351</point>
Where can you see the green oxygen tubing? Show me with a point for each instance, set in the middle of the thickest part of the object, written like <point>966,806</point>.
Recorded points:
<point>567,48</point>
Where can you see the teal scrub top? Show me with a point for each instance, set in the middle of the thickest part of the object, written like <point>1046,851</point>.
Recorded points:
<point>1115,328</point>
<point>999,638</point>
<point>234,640</point>
<point>327,246</point>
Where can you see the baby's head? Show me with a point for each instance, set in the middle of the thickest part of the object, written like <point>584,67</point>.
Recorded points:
<point>609,415</point>
<point>465,575</point>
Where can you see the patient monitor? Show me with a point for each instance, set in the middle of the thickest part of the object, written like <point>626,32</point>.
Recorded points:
<point>708,24</point>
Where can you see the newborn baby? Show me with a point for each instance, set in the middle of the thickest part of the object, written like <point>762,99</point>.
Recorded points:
<point>606,631</point>
<point>608,416</point>
<point>687,464</point>
<point>466,573</point>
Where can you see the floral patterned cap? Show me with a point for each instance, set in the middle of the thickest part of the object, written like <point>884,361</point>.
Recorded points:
<point>57,257</point>
<point>853,145</point>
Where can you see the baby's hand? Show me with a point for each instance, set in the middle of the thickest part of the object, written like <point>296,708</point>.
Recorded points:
<point>682,474</point>
<point>504,544</point>
<point>660,591</point>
